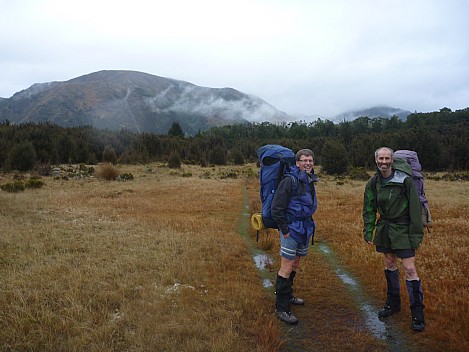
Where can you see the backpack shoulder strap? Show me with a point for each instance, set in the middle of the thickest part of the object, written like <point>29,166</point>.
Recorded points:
<point>374,179</point>
<point>294,183</point>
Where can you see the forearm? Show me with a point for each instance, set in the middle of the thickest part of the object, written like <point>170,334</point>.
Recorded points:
<point>369,214</point>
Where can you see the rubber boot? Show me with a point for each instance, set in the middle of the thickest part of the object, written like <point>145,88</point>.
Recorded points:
<point>295,300</point>
<point>283,292</point>
<point>292,276</point>
<point>393,296</point>
<point>414,288</point>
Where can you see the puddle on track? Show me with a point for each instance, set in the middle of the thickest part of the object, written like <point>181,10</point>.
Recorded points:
<point>379,329</point>
<point>261,259</point>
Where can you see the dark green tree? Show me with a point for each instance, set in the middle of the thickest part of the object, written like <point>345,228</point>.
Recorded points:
<point>175,130</point>
<point>334,158</point>
<point>109,154</point>
<point>238,157</point>
<point>22,157</point>
<point>174,161</point>
<point>218,156</point>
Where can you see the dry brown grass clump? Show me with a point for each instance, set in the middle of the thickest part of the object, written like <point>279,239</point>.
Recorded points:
<point>107,171</point>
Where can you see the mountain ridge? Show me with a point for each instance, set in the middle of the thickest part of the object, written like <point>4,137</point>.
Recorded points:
<point>141,102</point>
<point>373,112</point>
<point>136,101</point>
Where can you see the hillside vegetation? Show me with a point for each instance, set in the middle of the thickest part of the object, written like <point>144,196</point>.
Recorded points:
<point>441,140</point>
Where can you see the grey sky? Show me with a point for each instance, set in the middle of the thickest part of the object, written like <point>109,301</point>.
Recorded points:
<point>302,56</point>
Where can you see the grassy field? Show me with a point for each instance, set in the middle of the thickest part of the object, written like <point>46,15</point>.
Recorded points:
<point>158,264</point>
<point>441,261</point>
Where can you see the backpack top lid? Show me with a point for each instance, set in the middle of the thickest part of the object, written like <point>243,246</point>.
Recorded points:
<point>271,153</point>
<point>412,159</point>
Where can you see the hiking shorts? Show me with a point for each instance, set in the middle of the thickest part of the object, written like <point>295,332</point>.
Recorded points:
<point>400,253</point>
<point>290,249</point>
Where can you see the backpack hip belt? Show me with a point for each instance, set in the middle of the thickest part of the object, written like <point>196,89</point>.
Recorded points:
<point>402,220</point>
<point>291,219</point>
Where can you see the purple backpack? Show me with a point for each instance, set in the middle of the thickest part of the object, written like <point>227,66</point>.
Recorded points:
<point>417,177</point>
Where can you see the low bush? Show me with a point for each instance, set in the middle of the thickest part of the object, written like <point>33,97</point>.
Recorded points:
<point>107,172</point>
<point>229,174</point>
<point>359,174</point>
<point>34,183</point>
<point>125,177</point>
<point>174,161</point>
<point>13,187</point>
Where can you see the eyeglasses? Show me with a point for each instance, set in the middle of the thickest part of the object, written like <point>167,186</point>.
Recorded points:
<point>304,161</point>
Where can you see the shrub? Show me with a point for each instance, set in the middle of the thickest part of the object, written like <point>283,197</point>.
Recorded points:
<point>15,187</point>
<point>358,173</point>
<point>125,177</point>
<point>107,172</point>
<point>34,183</point>
<point>206,175</point>
<point>22,157</point>
<point>238,157</point>
<point>174,161</point>
<point>204,162</point>
<point>463,176</point>
<point>217,156</point>
<point>109,154</point>
<point>44,169</point>
<point>334,158</point>
<point>250,173</point>
<point>229,174</point>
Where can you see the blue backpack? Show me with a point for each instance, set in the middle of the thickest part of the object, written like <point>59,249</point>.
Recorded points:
<point>276,163</point>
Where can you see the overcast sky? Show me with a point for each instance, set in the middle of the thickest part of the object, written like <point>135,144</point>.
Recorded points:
<point>313,57</point>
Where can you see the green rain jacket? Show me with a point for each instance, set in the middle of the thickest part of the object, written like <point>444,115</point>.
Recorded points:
<point>399,225</point>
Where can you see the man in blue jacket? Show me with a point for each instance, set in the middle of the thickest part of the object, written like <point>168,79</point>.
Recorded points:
<point>292,208</point>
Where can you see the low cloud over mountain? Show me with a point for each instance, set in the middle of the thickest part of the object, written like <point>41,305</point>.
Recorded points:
<point>377,111</point>
<point>137,102</point>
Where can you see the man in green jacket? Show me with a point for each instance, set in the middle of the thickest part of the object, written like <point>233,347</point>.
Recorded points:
<point>399,230</point>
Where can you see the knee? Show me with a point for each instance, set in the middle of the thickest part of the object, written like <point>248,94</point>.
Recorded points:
<point>286,267</point>
<point>390,263</point>
<point>410,272</point>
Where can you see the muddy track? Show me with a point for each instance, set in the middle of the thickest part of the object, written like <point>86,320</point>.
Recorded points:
<point>337,315</point>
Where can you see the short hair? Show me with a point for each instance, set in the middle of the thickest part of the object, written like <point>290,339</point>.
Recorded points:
<point>305,152</point>
<point>377,150</point>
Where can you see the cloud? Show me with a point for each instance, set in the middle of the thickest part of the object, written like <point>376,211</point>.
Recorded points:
<point>310,57</point>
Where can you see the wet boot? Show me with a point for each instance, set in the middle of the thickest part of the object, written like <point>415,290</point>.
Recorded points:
<point>295,300</point>
<point>414,288</point>
<point>393,297</point>
<point>283,292</point>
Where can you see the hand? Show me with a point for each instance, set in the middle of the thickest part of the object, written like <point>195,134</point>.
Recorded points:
<point>369,242</point>
<point>286,235</point>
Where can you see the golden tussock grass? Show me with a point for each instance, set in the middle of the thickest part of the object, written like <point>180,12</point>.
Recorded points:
<point>155,264</point>
<point>441,260</point>
<point>158,264</point>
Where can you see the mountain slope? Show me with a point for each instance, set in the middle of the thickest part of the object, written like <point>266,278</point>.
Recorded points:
<point>377,111</point>
<point>135,101</point>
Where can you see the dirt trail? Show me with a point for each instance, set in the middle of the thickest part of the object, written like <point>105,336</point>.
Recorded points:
<point>337,316</point>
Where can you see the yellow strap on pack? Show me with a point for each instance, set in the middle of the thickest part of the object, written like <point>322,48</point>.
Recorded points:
<point>256,221</point>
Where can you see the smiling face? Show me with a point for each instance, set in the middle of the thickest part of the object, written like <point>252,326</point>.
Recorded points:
<point>305,160</point>
<point>384,158</point>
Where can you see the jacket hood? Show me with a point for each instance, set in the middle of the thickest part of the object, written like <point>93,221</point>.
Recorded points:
<point>402,165</point>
